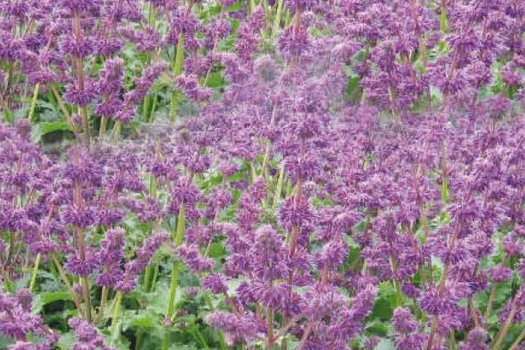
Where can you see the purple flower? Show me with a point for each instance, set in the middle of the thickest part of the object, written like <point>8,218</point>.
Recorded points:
<point>215,283</point>
<point>294,41</point>
<point>81,96</point>
<point>295,212</point>
<point>476,340</point>
<point>87,335</point>
<point>237,328</point>
<point>403,321</point>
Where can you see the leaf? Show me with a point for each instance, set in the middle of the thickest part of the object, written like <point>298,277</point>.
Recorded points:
<point>215,80</point>
<point>233,285</point>
<point>383,309</point>
<point>379,329</point>
<point>385,344</point>
<point>45,298</point>
<point>45,128</point>
<point>353,91</point>
<point>443,20</point>
<point>216,250</point>
<point>177,346</point>
<point>235,7</point>
<point>159,300</point>
<point>21,112</point>
<point>142,319</point>
<point>4,342</point>
<point>66,341</point>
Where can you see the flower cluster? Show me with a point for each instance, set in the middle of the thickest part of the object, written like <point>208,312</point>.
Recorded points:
<point>332,176</point>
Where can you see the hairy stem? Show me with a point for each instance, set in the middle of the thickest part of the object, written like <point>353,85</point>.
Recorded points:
<point>35,272</point>
<point>69,287</point>
<point>503,331</point>
<point>277,19</point>
<point>33,102</point>
<point>177,70</point>
<point>116,312</point>
<point>518,340</point>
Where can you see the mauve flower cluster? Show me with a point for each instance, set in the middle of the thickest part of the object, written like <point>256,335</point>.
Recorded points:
<point>329,216</point>
<point>417,197</point>
<point>87,336</point>
<point>18,323</point>
<point>70,213</point>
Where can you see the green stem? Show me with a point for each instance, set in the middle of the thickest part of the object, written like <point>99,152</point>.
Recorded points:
<point>151,15</point>
<point>443,22</point>
<point>70,289</point>
<point>173,289</point>
<point>64,110</point>
<point>147,276</point>
<point>177,70</point>
<point>33,102</point>
<point>181,223</point>
<point>11,251</point>
<point>518,340</point>
<point>279,187</point>
<point>117,127</point>
<point>140,337</point>
<point>35,272</point>
<point>103,126</point>
<point>116,312</point>
<point>491,300</point>
<point>179,238</point>
<point>145,109</point>
<point>155,276</point>
<point>197,335</point>
<point>503,331</point>
<point>85,125</point>
<point>399,294</point>
<point>277,19</point>
<point>8,284</point>
<point>103,302</point>
<point>6,112</point>
<point>151,115</point>
<point>253,173</point>
<point>87,298</point>
<point>10,72</point>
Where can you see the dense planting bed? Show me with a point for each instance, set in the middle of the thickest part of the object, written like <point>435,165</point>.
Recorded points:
<point>289,174</point>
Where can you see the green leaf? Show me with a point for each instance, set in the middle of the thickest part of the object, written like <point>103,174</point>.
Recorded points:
<point>443,20</point>
<point>142,319</point>
<point>66,341</point>
<point>215,80</point>
<point>45,128</point>
<point>45,298</point>
<point>158,301</point>
<point>216,250</point>
<point>235,7</point>
<point>379,329</point>
<point>385,344</point>
<point>178,346</point>
<point>383,309</point>
<point>353,91</point>
<point>5,342</point>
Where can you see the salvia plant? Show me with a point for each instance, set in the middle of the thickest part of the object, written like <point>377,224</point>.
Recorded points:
<point>262,174</point>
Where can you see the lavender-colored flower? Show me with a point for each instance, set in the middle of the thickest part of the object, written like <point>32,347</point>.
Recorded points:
<point>215,283</point>
<point>236,328</point>
<point>294,42</point>
<point>403,321</point>
<point>87,335</point>
<point>476,339</point>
